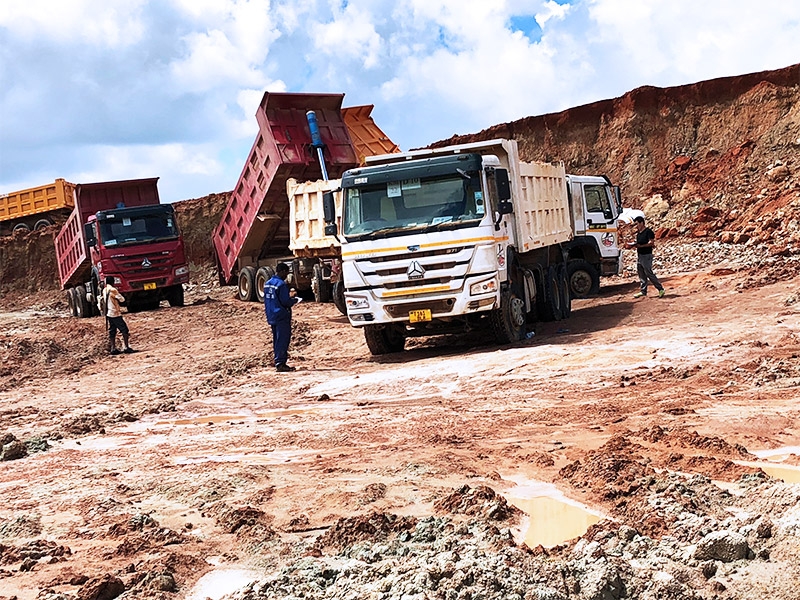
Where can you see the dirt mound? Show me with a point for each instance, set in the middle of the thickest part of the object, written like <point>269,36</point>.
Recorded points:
<point>713,159</point>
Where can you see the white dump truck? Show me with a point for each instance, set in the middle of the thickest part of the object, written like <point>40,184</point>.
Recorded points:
<point>452,239</point>
<point>594,250</point>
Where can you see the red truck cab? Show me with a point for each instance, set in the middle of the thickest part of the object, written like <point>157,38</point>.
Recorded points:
<point>120,229</point>
<point>142,249</point>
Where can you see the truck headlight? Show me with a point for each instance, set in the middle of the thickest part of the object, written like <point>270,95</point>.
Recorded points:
<point>483,287</point>
<point>357,302</point>
<point>181,271</point>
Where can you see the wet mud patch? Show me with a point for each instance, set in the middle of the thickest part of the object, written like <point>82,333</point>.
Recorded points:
<point>58,350</point>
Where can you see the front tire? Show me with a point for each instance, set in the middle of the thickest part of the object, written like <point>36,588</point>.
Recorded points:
<point>508,321</point>
<point>338,297</point>
<point>175,296</point>
<point>245,290</point>
<point>384,339</point>
<point>584,280</point>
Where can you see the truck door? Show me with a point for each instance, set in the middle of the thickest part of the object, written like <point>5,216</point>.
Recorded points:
<point>601,218</point>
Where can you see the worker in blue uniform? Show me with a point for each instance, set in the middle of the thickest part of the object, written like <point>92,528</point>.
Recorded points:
<point>278,303</point>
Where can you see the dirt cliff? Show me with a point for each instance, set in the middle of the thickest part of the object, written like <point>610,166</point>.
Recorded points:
<point>715,159</point>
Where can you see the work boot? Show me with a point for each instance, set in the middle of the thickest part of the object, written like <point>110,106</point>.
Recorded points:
<point>129,350</point>
<point>114,352</point>
<point>284,368</point>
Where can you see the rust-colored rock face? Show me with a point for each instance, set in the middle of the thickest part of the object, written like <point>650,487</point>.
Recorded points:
<point>728,144</point>
<point>716,159</point>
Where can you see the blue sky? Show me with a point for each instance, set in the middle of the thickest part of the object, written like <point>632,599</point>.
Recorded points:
<point>97,90</point>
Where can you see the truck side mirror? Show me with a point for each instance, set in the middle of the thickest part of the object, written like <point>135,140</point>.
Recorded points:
<point>503,185</point>
<point>88,229</point>
<point>329,213</point>
<point>618,198</point>
<point>328,209</point>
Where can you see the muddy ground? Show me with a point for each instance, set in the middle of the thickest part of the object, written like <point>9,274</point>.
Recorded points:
<point>191,469</point>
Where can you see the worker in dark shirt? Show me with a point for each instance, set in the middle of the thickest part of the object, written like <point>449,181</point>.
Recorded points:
<point>278,303</point>
<point>645,241</point>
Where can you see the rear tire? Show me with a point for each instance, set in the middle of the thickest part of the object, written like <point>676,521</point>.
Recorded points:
<point>583,277</point>
<point>338,297</point>
<point>42,223</point>
<point>384,339</point>
<point>84,310</point>
<point>508,321</point>
<point>566,299</point>
<point>263,275</point>
<point>21,227</point>
<point>73,307</point>
<point>319,285</point>
<point>551,305</point>
<point>175,296</point>
<point>245,291</point>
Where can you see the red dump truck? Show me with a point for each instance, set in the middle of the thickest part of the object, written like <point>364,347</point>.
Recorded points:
<point>120,228</point>
<point>36,208</point>
<point>257,229</point>
<point>253,233</point>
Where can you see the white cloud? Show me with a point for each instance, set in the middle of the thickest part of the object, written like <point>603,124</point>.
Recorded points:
<point>102,89</point>
<point>551,10</point>
<point>112,23</point>
<point>350,35</point>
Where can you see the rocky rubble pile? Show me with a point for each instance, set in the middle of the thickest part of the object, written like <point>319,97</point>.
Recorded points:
<point>703,554</point>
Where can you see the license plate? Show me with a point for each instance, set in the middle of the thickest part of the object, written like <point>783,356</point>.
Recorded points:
<point>149,286</point>
<point>417,316</point>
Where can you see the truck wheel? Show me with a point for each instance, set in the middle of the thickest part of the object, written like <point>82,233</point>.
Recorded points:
<point>73,308</point>
<point>551,307</point>
<point>246,288</point>
<point>319,285</point>
<point>21,227</point>
<point>84,310</point>
<point>338,297</point>
<point>175,295</point>
<point>384,339</point>
<point>263,275</point>
<point>42,223</point>
<point>563,286</point>
<point>508,321</point>
<point>584,280</point>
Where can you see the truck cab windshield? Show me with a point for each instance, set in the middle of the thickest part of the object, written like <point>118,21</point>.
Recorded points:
<point>121,230</point>
<point>413,205</point>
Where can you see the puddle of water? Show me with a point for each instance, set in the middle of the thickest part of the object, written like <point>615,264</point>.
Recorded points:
<point>777,454</point>
<point>273,458</point>
<point>220,582</point>
<point>205,420</point>
<point>787,473</point>
<point>552,518</point>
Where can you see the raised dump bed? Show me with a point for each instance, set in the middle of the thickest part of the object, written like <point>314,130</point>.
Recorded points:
<point>35,208</point>
<point>255,224</point>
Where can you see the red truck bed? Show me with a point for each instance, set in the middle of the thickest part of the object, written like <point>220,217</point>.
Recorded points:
<point>255,223</point>
<point>71,250</point>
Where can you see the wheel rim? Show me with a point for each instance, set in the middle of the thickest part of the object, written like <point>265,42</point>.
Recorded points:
<point>517,312</point>
<point>580,282</point>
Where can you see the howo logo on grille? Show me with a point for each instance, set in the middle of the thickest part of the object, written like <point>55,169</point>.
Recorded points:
<point>146,263</point>
<point>415,270</point>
